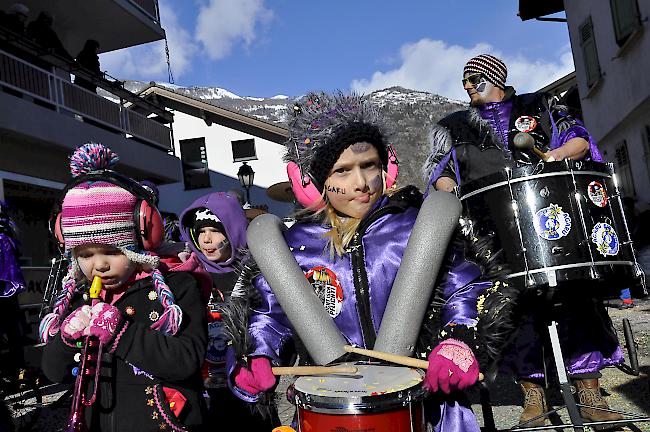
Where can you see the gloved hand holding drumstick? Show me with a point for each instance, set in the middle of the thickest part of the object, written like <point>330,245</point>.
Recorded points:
<point>451,366</point>
<point>575,148</point>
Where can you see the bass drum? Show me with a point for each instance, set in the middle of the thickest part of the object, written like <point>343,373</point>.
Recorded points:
<point>554,223</point>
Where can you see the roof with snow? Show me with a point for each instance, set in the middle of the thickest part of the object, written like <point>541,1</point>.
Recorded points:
<point>166,96</point>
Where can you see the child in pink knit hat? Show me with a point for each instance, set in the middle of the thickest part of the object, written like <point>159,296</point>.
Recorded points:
<point>153,328</point>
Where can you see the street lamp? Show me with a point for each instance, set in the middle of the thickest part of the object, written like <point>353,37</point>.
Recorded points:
<point>246,176</point>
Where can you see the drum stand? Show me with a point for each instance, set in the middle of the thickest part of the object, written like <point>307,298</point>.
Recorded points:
<point>576,421</point>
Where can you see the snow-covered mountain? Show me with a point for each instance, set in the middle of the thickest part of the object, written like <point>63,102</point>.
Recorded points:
<point>411,113</point>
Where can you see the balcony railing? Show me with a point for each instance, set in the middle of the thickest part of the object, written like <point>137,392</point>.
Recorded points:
<point>62,95</point>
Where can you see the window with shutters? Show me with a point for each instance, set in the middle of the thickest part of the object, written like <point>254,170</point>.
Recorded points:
<point>589,52</point>
<point>626,17</point>
<point>194,158</point>
<point>624,170</point>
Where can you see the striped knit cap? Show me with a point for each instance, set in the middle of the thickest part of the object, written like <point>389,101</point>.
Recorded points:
<point>494,69</point>
<point>99,211</point>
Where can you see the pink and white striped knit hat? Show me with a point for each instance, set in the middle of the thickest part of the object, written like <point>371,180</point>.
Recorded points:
<point>99,211</point>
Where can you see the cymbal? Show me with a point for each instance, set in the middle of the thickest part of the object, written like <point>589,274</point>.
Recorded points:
<point>252,213</point>
<point>281,192</point>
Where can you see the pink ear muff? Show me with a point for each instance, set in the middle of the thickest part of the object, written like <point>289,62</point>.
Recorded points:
<point>303,188</point>
<point>151,228</point>
<point>392,169</point>
<point>56,229</point>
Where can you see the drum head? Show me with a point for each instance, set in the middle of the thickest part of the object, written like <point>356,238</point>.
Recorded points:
<point>373,388</point>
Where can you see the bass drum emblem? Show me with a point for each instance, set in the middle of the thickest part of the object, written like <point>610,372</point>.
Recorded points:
<point>552,223</point>
<point>605,239</point>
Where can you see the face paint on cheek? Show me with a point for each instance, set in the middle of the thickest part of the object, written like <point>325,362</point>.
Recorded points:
<point>223,244</point>
<point>484,88</point>
<point>360,147</point>
<point>335,189</point>
<point>375,184</point>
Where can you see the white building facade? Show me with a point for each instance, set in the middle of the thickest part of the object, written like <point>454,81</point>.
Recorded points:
<point>611,50</point>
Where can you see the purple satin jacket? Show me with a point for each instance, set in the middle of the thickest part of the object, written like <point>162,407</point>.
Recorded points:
<point>384,243</point>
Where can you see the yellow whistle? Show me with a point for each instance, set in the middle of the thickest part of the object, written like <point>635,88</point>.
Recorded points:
<point>95,287</point>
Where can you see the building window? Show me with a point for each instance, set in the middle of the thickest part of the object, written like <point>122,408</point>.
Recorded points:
<point>626,17</point>
<point>243,150</point>
<point>589,52</point>
<point>624,170</point>
<point>194,158</point>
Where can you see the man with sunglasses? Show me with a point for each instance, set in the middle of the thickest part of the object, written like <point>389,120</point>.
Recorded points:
<point>471,144</point>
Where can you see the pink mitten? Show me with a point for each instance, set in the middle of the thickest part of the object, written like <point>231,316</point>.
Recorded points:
<point>105,322</point>
<point>258,379</point>
<point>452,366</point>
<point>75,324</point>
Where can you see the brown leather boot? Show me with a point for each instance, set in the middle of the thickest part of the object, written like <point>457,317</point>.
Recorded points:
<point>534,403</point>
<point>589,394</point>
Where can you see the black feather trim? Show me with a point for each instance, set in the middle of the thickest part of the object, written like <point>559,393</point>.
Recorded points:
<point>498,319</point>
<point>236,312</point>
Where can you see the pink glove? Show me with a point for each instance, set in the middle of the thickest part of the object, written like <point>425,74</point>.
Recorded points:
<point>105,322</point>
<point>452,366</point>
<point>75,325</point>
<point>258,379</point>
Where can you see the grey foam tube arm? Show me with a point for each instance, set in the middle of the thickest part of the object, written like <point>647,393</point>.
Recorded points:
<point>418,271</point>
<point>322,339</point>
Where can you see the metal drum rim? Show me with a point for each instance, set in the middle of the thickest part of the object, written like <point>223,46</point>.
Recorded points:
<point>519,174</point>
<point>568,266</point>
<point>361,404</point>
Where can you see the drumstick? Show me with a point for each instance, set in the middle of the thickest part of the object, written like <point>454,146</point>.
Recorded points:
<point>525,141</point>
<point>313,370</point>
<point>394,358</point>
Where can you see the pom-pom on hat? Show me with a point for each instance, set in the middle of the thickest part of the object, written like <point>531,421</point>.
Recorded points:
<point>493,68</point>
<point>324,125</point>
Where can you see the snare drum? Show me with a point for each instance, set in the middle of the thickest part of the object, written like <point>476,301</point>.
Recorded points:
<point>377,398</point>
<point>555,222</point>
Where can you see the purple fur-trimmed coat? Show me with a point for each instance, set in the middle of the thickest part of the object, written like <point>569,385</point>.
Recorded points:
<point>383,238</point>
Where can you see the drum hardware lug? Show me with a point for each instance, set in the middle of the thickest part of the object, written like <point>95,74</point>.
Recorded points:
<point>593,273</point>
<point>291,394</point>
<point>557,250</point>
<point>544,192</point>
<point>552,278</point>
<point>625,243</point>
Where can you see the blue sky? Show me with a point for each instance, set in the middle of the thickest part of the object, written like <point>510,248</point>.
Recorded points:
<point>269,47</point>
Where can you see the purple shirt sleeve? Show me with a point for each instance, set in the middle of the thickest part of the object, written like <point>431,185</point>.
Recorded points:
<point>577,130</point>
<point>269,328</point>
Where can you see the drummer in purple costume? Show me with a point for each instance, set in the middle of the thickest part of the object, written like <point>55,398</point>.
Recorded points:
<point>351,251</point>
<point>480,141</point>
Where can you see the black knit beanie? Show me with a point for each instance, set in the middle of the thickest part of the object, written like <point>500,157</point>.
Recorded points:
<point>327,155</point>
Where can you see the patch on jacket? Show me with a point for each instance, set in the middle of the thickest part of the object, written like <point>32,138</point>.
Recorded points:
<point>328,289</point>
